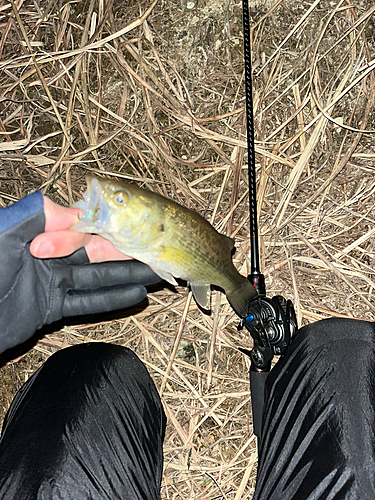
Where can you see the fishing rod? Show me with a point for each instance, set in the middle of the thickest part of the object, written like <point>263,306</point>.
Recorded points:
<point>271,322</point>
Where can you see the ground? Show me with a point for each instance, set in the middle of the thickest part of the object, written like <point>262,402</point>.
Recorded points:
<point>158,96</point>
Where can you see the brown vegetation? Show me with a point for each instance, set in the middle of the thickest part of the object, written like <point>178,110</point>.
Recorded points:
<point>154,92</point>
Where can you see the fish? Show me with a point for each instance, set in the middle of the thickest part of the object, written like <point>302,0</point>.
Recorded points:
<point>174,241</point>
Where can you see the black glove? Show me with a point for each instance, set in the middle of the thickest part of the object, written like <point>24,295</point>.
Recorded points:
<point>36,292</point>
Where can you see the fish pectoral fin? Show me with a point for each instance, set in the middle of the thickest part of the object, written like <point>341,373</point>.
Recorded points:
<point>165,276</point>
<point>202,294</point>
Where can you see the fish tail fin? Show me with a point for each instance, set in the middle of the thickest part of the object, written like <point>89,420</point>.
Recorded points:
<point>240,298</point>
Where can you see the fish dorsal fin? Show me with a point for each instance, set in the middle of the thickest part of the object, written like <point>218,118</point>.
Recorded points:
<point>228,241</point>
<point>202,294</point>
<point>165,276</point>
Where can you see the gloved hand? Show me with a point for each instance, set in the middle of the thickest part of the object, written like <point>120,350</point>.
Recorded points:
<point>36,292</point>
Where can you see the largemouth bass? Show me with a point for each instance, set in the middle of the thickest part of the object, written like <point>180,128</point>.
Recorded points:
<point>171,239</point>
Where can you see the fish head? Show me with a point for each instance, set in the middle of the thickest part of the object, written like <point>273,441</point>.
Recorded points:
<point>119,212</point>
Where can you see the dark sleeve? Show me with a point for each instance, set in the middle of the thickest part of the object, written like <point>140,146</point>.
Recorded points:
<point>29,210</point>
<point>19,224</point>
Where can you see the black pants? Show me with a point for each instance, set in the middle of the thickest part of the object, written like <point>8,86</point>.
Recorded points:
<point>90,425</point>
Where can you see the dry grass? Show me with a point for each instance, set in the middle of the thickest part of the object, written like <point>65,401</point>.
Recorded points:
<point>154,92</point>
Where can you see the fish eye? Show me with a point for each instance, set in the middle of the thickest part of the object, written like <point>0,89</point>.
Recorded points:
<point>120,198</point>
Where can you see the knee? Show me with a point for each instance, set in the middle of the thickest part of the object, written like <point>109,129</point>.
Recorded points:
<point>326,331</point>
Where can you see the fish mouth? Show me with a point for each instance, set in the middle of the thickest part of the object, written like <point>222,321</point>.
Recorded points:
<point>95,209</point>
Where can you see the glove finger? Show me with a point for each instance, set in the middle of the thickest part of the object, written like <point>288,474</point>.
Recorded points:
<point>78,303</point>
<point>113,273</point>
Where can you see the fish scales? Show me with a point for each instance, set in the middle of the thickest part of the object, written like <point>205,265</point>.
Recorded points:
<point>201,245</point>
<point>170,238</point>
<point>219,268</point>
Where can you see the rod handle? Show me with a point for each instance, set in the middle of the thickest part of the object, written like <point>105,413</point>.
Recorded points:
<point>257,390</point>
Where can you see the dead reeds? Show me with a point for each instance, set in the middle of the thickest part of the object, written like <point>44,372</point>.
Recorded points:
<point>154,92</point>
